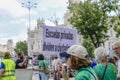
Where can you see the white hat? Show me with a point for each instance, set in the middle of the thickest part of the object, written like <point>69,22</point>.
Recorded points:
<point>100,53</point>
<point>78,51</point>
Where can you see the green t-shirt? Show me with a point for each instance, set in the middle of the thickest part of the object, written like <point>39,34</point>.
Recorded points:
<point>110,74</point>
<point>86,74</point>
<point>42,63</point>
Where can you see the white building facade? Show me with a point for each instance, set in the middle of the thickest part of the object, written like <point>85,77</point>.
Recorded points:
<point>9,46</point>
<point>35,38</point>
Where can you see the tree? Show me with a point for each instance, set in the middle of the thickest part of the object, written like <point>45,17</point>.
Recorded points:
<point>112,7</point>
<point>1,52</point>
<point>89,46</point>
<point>21,46</point>
<point>116,25</point>
<point>91,21</point>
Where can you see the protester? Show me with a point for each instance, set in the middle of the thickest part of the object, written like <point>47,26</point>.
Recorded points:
<point>8,70</point>
<point>42,66</point>
<point>2,66</point>
<point>93,63</point>
<point>77,60</point>
<point>104,70</point>
<point>56,65</point>
<point>21,62</point>
<point>116,48</point>
<point>63,68</point>
<point>64,72</point>
<point>113,60</point>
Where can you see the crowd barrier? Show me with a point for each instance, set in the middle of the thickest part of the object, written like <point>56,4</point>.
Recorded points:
<point>23,74</point>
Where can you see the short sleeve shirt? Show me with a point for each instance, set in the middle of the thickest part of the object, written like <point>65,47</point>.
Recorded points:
<point>19,61</point>
<point>42,63</point>
<point>110,74</point>
<point>86,74</point>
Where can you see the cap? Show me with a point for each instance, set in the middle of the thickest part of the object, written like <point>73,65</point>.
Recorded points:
<point>100,53</point>
<point>64,54</point>
<point>76,50</point>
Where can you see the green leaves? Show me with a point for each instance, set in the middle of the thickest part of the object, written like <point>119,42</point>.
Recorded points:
<point>21,46</point>
<point>93,19</point>
<point>90,20</point>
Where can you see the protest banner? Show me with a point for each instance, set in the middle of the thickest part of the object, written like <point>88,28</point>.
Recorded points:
<point>57,39</point>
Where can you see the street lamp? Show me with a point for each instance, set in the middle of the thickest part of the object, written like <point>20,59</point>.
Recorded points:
<point>54,20</point>
<point>29,6</point>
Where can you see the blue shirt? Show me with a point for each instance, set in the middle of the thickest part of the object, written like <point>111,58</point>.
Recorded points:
<point>19,61</point>
<point>93,64</point>
<point>2,66</point>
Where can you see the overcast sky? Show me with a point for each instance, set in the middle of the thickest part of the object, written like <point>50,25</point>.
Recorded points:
<point>14,17</point>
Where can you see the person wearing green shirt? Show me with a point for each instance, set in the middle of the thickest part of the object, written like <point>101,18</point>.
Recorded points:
<point>77,60</point>
<point>42,65</point>
<point>104,70</point>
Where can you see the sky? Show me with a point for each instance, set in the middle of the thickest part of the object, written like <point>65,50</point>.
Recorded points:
<point>14,18</point>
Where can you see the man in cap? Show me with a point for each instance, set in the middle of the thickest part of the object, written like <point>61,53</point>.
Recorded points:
<point>77,60</point>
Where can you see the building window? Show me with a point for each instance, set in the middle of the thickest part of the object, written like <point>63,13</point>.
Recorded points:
<point>32,35</point>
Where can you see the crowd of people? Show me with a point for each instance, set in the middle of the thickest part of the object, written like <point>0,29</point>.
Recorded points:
<point>8,66</point>
<point>102,67</point>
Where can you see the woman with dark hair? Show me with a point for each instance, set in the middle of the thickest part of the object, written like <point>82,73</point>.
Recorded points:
<point>77,60</point>
<point>42,66</point>
<point>40,57</point>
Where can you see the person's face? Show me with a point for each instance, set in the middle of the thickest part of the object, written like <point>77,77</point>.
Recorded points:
<point>21,56</point>
<point>69,62</point>
<point>117,50</point>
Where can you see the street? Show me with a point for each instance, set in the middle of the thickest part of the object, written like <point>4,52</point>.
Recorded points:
<point>36,76</point>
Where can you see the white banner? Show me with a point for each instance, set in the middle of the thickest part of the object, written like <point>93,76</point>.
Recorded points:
<point>56,39</point>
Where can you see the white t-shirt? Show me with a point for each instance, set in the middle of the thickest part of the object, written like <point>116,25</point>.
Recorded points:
<point>55,63</point>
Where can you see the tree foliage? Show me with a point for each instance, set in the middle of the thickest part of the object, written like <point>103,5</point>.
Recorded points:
<point>1,52</point>
<point>21,46</point>
<point>91,21</point>
<point>89,46</point>
<point>112,7</point>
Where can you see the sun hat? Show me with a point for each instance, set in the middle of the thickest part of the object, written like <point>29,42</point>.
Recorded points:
<point>100,54</point>
<point>75,50</point>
